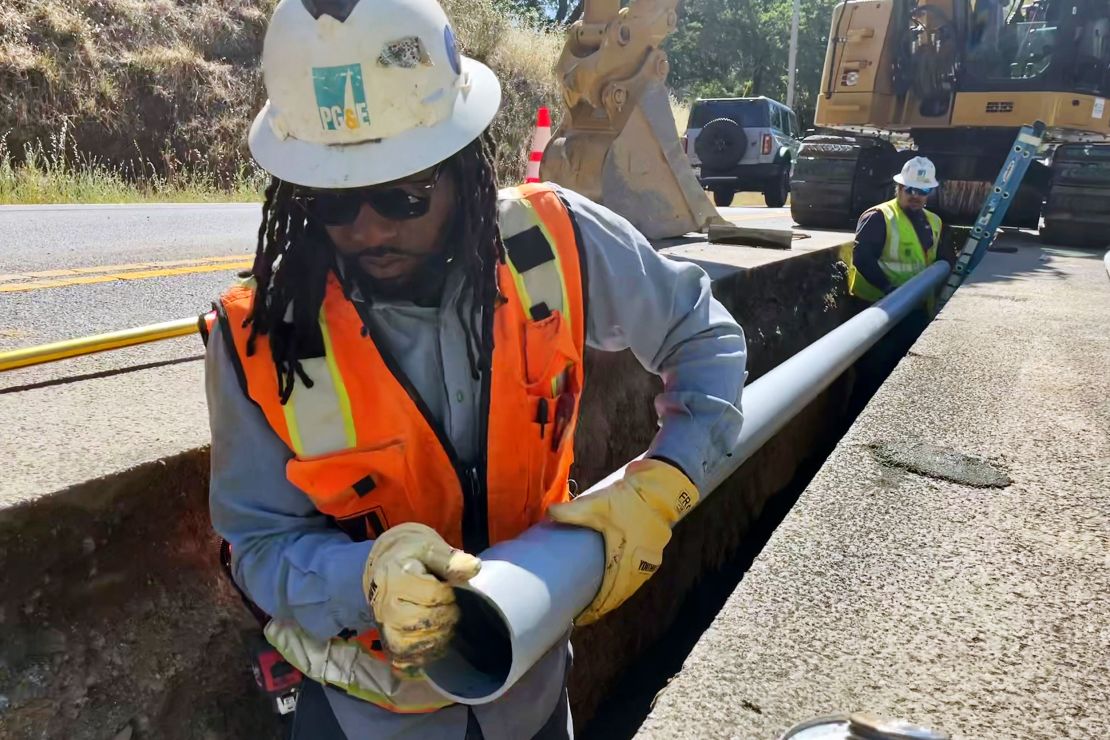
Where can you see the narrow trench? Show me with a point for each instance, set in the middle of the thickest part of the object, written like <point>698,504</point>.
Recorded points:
<point>623,711</point>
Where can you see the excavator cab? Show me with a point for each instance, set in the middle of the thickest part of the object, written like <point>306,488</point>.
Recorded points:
<point>1051,45</point>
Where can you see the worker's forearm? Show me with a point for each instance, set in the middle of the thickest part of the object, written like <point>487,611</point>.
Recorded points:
<point>699,408</point>
<point>868,250</point>
<point>285,555</point>
<point>875,275</point>
<point>664,311</point>
<point>311,578</point>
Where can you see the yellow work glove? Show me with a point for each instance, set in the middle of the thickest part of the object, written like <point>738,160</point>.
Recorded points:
<point>635,515</point>
<point>407,582</point>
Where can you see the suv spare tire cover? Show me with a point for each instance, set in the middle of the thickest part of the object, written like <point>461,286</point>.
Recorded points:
<point>721,143</point>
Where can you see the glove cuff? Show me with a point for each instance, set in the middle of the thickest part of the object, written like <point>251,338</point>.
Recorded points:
<point>663,487</point>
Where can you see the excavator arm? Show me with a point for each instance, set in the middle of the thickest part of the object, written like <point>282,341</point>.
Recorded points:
<point>617,143</point>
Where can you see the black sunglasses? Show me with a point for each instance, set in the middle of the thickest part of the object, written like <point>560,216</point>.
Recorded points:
<point>919,191</point>
<point>399,201</point>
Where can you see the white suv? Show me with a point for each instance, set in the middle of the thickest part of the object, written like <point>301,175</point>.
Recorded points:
<point>743,145</point>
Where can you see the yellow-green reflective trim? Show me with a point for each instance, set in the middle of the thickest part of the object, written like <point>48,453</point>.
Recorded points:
<point>291,424</point>
<point>556,382</point>
<point>521,288</point>
<point>521,282</point>
<point>340,388</point>
<point>558,263</point>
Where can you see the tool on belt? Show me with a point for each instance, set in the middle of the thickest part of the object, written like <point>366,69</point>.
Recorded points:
<point>276,678</point>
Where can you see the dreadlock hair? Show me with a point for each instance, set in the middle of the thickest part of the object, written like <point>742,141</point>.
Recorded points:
<point>295,255</point>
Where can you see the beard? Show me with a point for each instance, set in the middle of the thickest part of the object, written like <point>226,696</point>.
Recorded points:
<point>422,285</point>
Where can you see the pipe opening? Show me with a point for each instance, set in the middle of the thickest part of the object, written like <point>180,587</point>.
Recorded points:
<point>480,656</point>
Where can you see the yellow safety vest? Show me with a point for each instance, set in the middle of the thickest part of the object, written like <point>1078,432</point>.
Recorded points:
<point>903,256</point>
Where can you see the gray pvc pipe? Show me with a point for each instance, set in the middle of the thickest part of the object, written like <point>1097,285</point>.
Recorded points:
<point>532,587</point>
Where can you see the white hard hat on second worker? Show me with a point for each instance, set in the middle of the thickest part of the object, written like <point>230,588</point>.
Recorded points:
<point>365,92</point>
<point>919,172</point>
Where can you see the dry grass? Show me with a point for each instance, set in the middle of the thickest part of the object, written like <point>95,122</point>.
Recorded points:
<point>57,172</point>
<point>524,59</point>
<point>525,63</point>
<point>135,84</point>
<point>99,94</point>
<point>681,111</point>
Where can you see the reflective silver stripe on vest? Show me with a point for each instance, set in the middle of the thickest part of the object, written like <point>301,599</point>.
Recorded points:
<point>532,256</point>
<point>891,261</point>
<point>319,418</point>
<point>893,235</point>
<point>345,665</point>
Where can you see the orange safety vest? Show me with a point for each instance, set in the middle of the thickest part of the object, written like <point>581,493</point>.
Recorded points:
<point>366,451</point>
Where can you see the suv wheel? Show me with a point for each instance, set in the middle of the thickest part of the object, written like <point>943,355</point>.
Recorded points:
<point>722,197</point>
<point>778,189</point>
<point>721,144</point>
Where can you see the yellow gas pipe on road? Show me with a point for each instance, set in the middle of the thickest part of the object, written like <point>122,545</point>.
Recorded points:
<point>27,356</point>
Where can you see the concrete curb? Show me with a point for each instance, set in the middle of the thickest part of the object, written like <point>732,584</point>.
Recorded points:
<point>960,598</point>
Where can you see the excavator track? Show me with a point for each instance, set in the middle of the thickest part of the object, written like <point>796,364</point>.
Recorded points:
<point>837,177</point>
<point>959,201</point>
<point>1077,212</point>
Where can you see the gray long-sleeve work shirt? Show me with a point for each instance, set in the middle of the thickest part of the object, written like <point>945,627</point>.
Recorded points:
<point>294,565</point>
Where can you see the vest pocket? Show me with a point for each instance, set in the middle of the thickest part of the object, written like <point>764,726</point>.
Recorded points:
<point>364,491</point>
<point>551,368</point>
<point>548,353</point>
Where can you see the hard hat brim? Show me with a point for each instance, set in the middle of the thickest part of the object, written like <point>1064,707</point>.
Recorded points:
<point>902,181</point>
<point>316,165</point>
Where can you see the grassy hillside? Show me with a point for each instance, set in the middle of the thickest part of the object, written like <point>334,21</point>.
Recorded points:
<point>125,99</point>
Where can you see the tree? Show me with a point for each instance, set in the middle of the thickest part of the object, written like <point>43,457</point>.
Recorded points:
<point>740,48</point>
<point>726,47</point>
<point>545,12</point>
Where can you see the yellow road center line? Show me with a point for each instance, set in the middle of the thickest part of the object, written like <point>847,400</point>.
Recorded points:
<point>73,271</point>
<point>242,264</point>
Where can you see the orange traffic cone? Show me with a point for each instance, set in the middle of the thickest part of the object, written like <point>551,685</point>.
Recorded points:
<point>539,143</point>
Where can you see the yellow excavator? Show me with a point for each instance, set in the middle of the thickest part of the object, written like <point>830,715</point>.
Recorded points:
<point>954,80</point>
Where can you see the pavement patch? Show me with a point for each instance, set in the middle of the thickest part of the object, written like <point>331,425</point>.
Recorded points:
<point>937,462</point>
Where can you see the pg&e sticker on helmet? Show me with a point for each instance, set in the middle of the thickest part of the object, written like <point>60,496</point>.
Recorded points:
<point>341,97</point>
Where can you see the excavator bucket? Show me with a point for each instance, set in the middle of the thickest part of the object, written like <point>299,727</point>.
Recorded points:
<point>617,143</point>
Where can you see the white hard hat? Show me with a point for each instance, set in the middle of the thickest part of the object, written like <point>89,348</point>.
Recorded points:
<point>362,93</point>
<point>919,172</point>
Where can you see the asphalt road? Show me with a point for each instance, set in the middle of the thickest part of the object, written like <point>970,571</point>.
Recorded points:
<point>72,271</point>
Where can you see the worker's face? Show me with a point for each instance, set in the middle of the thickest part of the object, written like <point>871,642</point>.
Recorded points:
<point>391,249</point>
<point>911,199</point>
